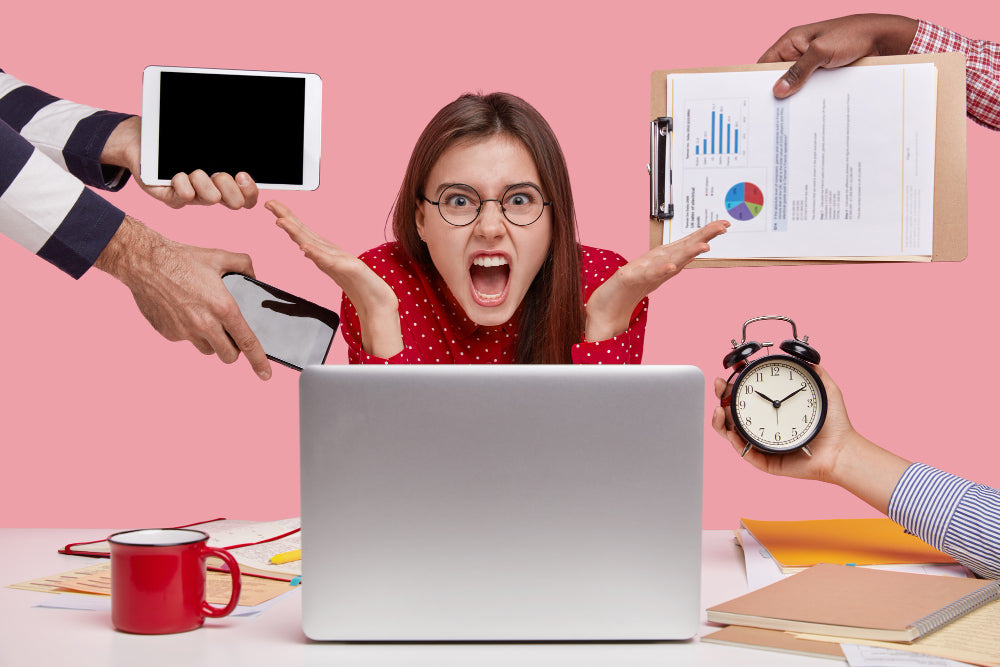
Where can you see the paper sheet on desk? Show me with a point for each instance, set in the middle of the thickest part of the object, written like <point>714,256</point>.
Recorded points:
<point>103,603</point>
<point>973,638</point>
<point>258,556</point>
<point>96,580</point>
<point>873,656</point>
<point>763,570</point>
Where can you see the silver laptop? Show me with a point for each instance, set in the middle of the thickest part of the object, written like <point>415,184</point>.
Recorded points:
<point>501,503</point>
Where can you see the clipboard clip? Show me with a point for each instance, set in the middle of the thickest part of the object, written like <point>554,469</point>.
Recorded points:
<point>661,201</point>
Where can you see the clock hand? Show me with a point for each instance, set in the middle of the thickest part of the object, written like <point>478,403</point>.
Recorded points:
<point>767,398</point>
<point>790,395</point>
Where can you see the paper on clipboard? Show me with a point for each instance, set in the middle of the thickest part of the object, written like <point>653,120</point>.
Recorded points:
<point>934,188</point>
<point>840,169</point>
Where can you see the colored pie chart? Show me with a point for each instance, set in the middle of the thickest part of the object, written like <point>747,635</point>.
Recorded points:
<point>744,201</point>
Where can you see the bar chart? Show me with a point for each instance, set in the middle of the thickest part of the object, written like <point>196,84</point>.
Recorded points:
<point>717,133</point>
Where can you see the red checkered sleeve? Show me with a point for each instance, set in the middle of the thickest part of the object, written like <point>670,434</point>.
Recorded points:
<point>982,69</point>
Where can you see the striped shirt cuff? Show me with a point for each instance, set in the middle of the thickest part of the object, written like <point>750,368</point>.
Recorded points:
<point>72,135</point>
<point>924,502</point>
<point>84,147</point>
<point>982,68</point>
<point>952,514</point>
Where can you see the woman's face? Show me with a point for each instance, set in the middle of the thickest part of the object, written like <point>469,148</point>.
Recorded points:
<point>489,264</point>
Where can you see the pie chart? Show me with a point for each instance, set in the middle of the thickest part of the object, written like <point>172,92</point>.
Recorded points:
<point>744,201</point>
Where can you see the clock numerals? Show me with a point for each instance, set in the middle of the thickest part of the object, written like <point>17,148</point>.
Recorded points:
<point>788,408</point>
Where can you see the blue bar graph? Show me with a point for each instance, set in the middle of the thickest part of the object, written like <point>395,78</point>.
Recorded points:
<point>713,133</point>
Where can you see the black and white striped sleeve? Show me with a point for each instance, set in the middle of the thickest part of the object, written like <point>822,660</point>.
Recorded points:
<point>48,149</point>
<point>959,517</point>
<point>72,135</point>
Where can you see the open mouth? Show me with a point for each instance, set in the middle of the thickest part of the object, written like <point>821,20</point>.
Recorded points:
<point>490,279</point>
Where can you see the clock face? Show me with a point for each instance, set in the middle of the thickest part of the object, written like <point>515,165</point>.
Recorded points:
<point>778,404</point>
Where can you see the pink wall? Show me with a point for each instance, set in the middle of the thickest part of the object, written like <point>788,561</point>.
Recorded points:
<point>105,423</point>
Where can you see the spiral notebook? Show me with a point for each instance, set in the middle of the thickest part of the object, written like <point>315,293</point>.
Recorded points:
<point>858,602</point>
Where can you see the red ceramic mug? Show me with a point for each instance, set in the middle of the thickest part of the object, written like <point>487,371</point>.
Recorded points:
<point>158,580</point>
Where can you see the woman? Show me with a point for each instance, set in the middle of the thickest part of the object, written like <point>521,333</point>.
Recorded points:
<point>486,267</point>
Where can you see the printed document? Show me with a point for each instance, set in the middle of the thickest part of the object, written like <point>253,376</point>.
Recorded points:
<point>842,169</point>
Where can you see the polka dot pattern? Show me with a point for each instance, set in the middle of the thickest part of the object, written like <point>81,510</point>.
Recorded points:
<point>437,331</point>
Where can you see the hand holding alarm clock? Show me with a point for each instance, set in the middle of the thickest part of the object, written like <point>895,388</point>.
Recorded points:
<point>836,452</point>
<point>778,402</point>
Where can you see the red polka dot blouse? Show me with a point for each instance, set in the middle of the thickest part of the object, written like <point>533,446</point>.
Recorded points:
<point>436,330</point>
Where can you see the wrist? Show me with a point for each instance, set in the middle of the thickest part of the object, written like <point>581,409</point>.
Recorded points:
<point>122,146</point>
<point>130,251</point>
<point>896,35</point>
<point>608,312</point>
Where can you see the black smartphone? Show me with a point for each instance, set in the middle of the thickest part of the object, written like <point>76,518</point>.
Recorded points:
<point>293,331</point>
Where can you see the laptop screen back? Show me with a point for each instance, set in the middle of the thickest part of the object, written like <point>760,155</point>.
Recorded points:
<point>501,502</point>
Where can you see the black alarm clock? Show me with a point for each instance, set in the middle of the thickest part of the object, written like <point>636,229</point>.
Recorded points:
<point>778,403</point>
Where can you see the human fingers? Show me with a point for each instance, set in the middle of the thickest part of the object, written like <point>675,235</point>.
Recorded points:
<point>222,345</point>
<point>720,387</point>
<point>785,48</point>
<point>280,210</point>
<point>206,193</point>
<point>795,77</point>
<point>682,251</point>
<point>240,333</point>
<point>249,189</point>
<point>181,192</point>
<point>235,262</point>
<point>291,225</point>
<point>202,345</point>
<point>230,191</point>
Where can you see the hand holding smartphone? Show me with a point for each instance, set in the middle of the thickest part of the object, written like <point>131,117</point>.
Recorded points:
<point>293,332</point>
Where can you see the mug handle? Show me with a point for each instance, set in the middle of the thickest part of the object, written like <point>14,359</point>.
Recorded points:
<point>234,573</point>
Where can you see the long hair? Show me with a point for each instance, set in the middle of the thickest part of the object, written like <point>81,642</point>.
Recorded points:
<point>552,317</point>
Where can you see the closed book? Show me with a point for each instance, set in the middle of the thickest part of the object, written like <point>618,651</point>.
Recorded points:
<point>773,640</point>
<point>796,545</point>
<point>857,602</point>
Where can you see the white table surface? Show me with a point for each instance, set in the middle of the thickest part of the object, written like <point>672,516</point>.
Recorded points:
<point>33,636</point>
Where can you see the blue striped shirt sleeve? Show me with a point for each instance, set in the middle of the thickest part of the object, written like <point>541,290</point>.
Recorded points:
<point>959,517</point>
<point>72,135</point>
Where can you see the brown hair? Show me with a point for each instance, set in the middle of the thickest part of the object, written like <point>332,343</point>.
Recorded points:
<point>552,318</point>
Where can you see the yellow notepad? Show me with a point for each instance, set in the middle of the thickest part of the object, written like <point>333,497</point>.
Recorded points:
<point>799,544</point>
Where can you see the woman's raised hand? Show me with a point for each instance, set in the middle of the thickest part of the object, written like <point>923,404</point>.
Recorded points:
<point>609,308</point>
<point>376,303</point>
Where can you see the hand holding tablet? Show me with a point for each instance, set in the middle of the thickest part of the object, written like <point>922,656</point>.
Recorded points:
<point>222,122</point>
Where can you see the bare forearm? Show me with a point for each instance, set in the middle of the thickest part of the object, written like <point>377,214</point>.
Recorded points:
<point>381,332</point>
<point>893,34</point>
<point>132,244</point>
<point>868,471</point>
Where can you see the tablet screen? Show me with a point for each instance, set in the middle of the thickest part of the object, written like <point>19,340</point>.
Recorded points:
<point>231,123</point>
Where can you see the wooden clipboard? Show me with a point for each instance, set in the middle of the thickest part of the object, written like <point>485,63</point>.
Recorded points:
<point>950,243</point>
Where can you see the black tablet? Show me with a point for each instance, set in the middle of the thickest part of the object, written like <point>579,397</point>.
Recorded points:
<point>264,123</point>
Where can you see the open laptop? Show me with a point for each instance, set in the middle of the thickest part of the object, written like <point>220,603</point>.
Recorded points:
<point>501,503</point>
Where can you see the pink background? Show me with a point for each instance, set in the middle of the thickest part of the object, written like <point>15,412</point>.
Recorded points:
<point>105,423</point>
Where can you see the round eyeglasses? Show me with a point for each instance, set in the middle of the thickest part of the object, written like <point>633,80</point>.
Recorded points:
<point>460,204</point>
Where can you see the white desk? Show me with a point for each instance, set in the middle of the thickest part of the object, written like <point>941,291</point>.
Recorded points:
<point>39,637</point>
